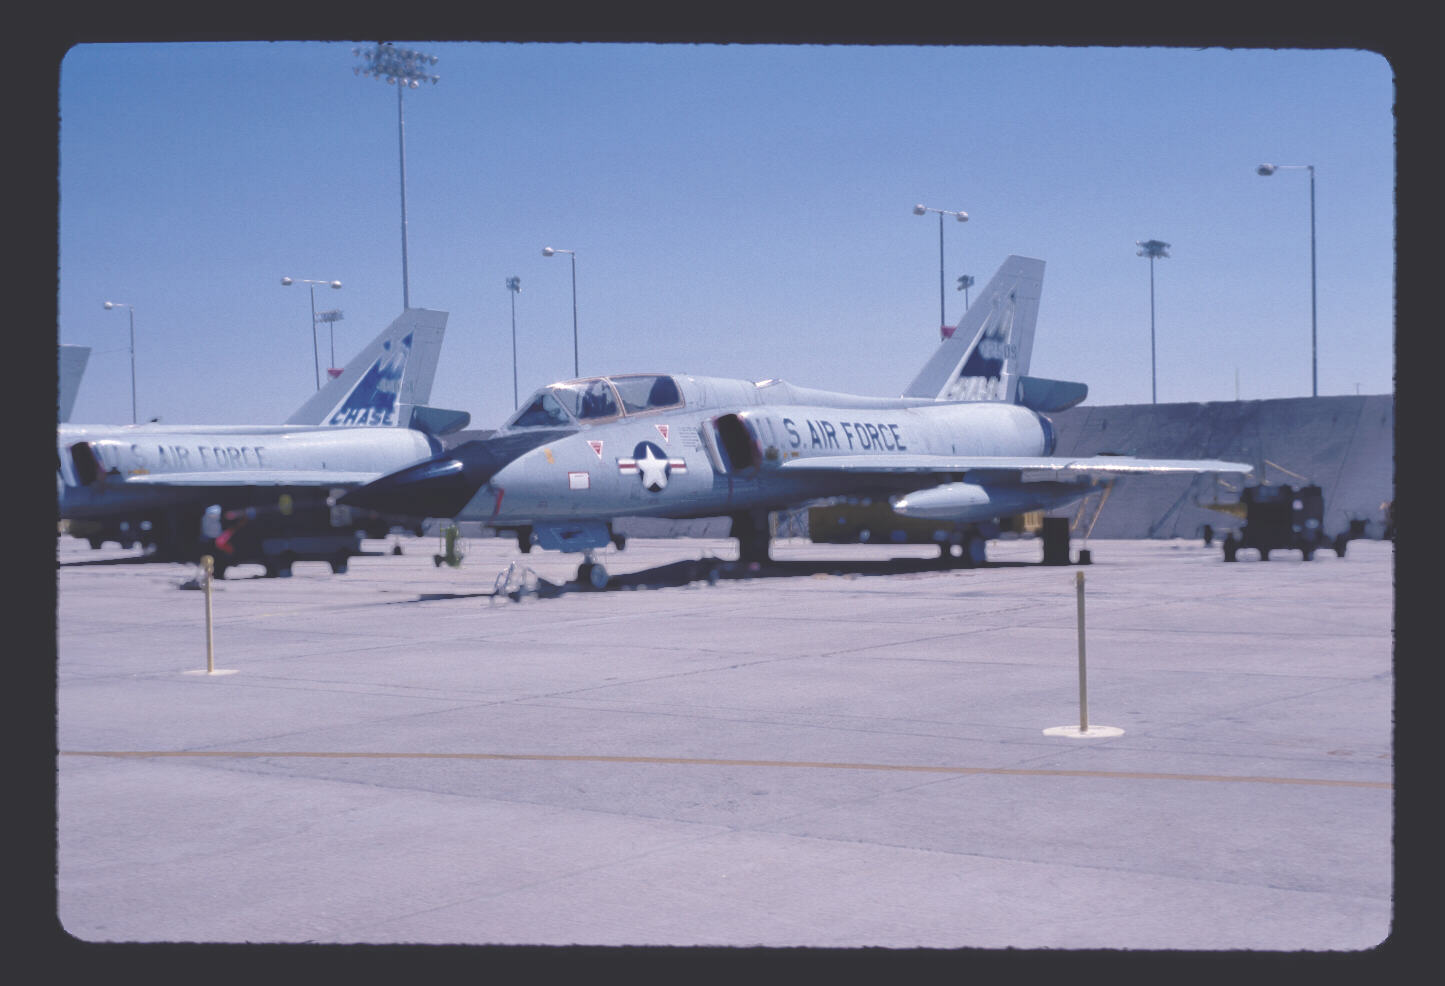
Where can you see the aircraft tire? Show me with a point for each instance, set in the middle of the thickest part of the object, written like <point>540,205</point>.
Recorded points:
<point>959,555</point>
<point>339,564</point>
<point>591,575</point>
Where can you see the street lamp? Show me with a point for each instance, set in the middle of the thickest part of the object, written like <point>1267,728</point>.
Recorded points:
<point>965,281</point>
<point>923,210</point>
<point>331,317</point>
<point>547,252</point>
<point>130,308</point>
<point>1153,249</point>
<point>1264,171</point>
<point>404,69</point>
<point>514,285</point>
<point>315,351</point>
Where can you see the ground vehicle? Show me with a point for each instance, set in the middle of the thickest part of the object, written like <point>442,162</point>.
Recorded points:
<point>865,521</point>
<point>1283,517</point>
<point>276,538</point>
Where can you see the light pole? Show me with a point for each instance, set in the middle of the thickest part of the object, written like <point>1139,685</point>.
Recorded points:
<point>1265,170</point>
<point>965,281</point>
<point>331,317</point>
<point>1153,249</point>
<point>130,308</point>
<point>923,210</point>
<point>404,69</point>
<point>315,351</point>
<point>547,252</point>
<point>514,285</point>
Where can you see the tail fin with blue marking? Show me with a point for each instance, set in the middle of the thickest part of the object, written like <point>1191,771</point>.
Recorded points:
<point>986,358</point>
<point>382,385</point>
<point>989,351</point>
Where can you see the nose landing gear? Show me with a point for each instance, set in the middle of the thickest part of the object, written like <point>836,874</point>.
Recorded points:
<point>591,574</point>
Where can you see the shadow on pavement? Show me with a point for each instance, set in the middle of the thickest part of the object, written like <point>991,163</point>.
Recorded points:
<point>715,570</point>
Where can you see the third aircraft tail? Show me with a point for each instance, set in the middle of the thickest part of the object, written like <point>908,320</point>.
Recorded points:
<point>987,356</point>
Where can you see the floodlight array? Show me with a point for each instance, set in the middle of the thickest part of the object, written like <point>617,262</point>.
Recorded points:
<point>396,65</point>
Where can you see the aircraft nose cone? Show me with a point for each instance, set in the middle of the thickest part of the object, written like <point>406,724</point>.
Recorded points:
<point>442,485</point>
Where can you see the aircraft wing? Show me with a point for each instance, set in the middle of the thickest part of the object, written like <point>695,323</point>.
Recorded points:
<point>255,477</point>
<point>1095,464</point>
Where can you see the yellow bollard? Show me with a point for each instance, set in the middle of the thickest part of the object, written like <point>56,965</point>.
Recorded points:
<point>1083,683</point>
<point>1083,728</point>
<point>208,565</point>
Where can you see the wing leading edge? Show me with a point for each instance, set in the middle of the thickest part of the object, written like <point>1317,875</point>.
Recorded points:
<point>255,477</point>
<point>1101,465</point>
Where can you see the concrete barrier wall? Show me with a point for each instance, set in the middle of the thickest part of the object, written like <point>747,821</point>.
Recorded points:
<point>1345,444</point>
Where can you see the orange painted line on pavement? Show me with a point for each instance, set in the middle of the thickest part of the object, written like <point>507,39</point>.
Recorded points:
<point>705,762</point>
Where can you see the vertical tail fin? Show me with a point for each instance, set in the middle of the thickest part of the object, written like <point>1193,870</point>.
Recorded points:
<point>988,353</point>
<point>382,383</point>
<point>72,368</point>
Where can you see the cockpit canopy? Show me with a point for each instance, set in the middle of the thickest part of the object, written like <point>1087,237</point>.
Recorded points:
<point>596,399</point>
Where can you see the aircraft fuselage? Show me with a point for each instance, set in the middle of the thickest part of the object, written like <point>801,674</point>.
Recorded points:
<point>700,461</point>
<point>103,470</point>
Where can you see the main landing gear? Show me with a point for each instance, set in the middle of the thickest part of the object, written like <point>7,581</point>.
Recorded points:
<point>969,553</point>
<point>754,538</point>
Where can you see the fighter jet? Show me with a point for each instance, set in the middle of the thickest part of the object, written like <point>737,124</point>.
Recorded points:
<point>968,442</point>
<point>189,489</point>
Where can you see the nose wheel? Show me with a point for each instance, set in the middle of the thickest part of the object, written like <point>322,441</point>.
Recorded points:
<point>591,574</point>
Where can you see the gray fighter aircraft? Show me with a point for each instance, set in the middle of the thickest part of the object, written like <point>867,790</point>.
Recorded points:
<point>261,492</point>
<point>968,442</point>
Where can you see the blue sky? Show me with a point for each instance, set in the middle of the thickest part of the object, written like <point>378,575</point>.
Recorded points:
<point>736,210</point>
